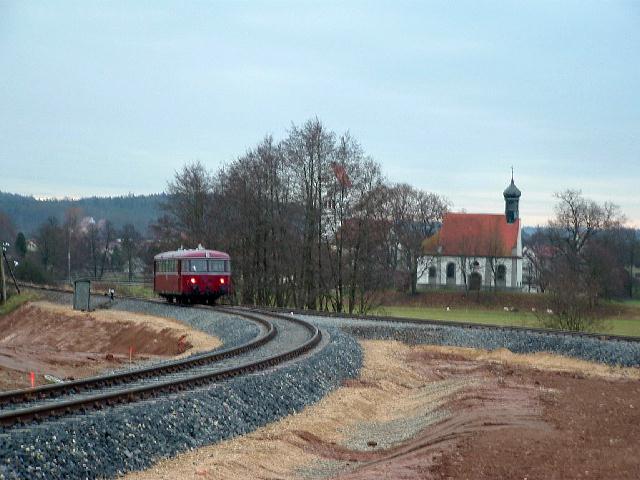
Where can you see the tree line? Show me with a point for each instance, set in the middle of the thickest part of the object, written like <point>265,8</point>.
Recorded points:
<point>28,213</point>
<point>309,221</point>
<point>78,247</point>
<point>584,255</point>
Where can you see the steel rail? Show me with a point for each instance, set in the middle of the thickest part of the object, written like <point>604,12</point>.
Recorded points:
<point>125,376</point>
<point>98,401</point>
<point>416,321</point>
<point>448,323</point>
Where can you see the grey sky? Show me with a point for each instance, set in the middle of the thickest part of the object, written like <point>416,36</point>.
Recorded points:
<point>113,97</point>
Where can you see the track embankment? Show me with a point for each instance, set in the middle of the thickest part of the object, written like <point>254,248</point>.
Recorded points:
<point>52,339</point>
<point>117,438</point>
<point>430,412</point>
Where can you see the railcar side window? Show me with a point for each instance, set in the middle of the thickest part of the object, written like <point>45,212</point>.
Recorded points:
<point>216,265</point>
<point>227,266</point>
<point>197,266</point>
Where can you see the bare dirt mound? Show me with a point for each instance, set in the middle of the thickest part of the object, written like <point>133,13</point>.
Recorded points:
<point>51,339</point>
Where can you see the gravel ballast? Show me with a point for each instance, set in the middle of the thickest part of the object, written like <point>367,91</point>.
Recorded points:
<point>131,437</point>
<point>610,352</point>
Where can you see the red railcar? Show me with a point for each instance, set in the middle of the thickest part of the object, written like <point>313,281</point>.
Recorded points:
<point>192,276</point>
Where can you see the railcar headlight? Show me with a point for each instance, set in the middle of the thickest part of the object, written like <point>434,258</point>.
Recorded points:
<point>222,281</point>
<point>193,280</point>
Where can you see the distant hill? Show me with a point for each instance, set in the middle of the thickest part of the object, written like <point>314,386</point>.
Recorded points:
<point>28,213</point>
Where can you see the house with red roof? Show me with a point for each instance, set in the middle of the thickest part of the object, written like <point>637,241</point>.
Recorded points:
<point>476,250</point>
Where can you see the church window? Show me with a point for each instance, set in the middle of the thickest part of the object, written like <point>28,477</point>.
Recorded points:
<point>501,272</point>
<point>451,270</point>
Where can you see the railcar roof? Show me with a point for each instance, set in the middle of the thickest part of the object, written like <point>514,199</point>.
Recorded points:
<point>192,253</point>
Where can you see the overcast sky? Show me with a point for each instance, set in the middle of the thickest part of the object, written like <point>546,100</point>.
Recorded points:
<point>112,97</point>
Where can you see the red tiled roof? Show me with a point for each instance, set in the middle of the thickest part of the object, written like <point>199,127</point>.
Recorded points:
<point>478,234</point>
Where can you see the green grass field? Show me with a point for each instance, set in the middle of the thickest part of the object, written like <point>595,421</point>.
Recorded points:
<point>614,325</point>
<point>14,301</point>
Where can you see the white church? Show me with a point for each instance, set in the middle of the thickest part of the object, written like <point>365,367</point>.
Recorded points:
<point>476,250</point>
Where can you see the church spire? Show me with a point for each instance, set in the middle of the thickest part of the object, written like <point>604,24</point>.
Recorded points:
<point>512,201</point>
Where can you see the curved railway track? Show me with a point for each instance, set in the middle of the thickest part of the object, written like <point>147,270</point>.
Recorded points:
<point>450,323</point>
<point>382,318</point>
<point>28,405</point>
<point>100,391</point>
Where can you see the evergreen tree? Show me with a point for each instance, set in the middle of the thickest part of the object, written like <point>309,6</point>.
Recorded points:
<point>21,245</point>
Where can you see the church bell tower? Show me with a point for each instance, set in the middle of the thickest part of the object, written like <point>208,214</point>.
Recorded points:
<point>511,201</point>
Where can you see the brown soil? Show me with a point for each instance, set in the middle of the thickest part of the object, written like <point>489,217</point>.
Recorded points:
<point>595,433</point>
<point>51,339</point>
<point>479,415</point>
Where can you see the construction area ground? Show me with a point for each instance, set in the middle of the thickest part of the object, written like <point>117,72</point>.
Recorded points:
<point>414,412</point>
<point>427,412</point>
<point>56,341</point>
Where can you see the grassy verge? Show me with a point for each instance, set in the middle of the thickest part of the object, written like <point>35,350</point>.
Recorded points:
<point>140,291</point>
<point>14,301</point>
<point>618,325</point>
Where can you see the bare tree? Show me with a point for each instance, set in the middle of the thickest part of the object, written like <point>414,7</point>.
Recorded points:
<point>468,254</point>
<point>495,251</point>
<point>576,271</point>
<point>93,245</point>
<point>416,215</point>
<point>579,219</point>
<point>107,233</point>
<point>130,241</point>
<point>50,240</point>
<point>310,149</point>
<point>539,252</point>
<point>189,195</point>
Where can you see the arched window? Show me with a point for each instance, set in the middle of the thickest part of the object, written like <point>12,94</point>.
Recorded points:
<point>501,276</point>
<point>432,272</point>
<point>451,270</point>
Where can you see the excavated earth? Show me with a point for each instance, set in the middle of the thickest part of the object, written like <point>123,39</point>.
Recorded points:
<point>432,412</point>
<point>52,339</point>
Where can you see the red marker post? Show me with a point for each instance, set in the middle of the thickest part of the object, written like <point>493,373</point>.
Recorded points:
<point>130,354</point>
<point>32,378</point>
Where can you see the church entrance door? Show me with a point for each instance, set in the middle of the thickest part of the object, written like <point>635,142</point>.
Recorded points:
<point>475,281</point>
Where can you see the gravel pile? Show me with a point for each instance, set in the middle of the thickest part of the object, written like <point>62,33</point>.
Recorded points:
<point>131,437</point>
<point>231,330</point>
<point>610,352</point>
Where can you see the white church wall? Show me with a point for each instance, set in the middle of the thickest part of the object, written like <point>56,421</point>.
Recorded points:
<point>483,268</point>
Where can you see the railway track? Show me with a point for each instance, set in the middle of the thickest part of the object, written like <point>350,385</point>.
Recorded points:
<point>400,320</point>
<point>282,338</point>
<point>100,391</point>
<point>467,325</point>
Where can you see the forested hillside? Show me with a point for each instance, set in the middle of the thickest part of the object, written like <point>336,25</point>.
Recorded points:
<point>28,213</point>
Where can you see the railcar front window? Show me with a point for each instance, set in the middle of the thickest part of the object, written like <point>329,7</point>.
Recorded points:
<point>197,266</point>
<point>216,265</point>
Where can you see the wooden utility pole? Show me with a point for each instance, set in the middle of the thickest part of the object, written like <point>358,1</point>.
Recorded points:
<point>3,286</point>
